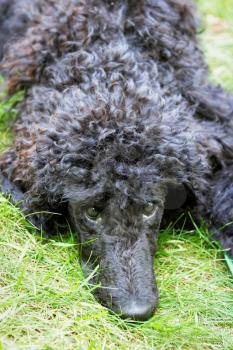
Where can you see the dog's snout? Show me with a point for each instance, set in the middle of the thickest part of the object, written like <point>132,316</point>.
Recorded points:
<point>139,311</point>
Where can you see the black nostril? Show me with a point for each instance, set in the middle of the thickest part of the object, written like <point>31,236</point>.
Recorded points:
<point>137,311</point>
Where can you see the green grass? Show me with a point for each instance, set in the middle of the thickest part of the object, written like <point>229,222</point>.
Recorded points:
<point>217,39</point>
<point>46,303</point>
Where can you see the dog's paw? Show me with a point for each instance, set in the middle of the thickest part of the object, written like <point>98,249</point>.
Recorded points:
<point>9,188</point>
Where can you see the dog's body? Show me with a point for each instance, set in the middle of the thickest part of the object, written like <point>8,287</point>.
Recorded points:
<point>120,129</point>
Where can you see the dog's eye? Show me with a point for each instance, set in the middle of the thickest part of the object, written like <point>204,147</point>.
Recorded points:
<point>93,213</point>
<point>149,210</point>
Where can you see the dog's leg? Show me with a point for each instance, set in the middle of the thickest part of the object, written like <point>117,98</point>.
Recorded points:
<point>19,198</point>
<point>221,202</point>
<point>9,188</point>
<point>214,103</point>
<point>38,214</point>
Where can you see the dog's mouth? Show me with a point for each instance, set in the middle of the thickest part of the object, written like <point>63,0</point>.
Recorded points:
<point>127,308</point>
<point>128,289</point>
<point>128,304</point>
<point>131,307</point>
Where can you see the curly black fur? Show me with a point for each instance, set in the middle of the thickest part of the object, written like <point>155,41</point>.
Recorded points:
<point>118,116</point>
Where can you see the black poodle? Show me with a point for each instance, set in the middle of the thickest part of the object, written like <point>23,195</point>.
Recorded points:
<point>119,130</point>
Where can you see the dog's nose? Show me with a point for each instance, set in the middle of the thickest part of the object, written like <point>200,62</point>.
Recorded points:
<point>138,311</point>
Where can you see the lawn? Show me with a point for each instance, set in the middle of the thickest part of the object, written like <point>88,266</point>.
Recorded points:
<point>45,301</point>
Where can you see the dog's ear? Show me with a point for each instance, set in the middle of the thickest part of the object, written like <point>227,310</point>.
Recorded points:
<point>176,196</point>
<point>52,32</point>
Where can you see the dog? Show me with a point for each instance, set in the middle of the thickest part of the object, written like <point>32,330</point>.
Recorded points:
<point>119,132</point>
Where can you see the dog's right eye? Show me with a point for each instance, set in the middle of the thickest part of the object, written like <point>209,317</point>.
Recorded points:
<point>93,213</point>
<point>149,211</point>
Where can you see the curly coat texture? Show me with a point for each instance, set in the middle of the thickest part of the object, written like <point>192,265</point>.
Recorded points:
<point>118,115</point>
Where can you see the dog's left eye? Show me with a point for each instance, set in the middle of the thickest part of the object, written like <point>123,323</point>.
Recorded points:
<point>149,210</point>
<point>93,213</point>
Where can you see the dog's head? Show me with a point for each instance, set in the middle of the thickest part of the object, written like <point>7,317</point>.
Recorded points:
<point>118,221</point>
<point>114,155</point>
